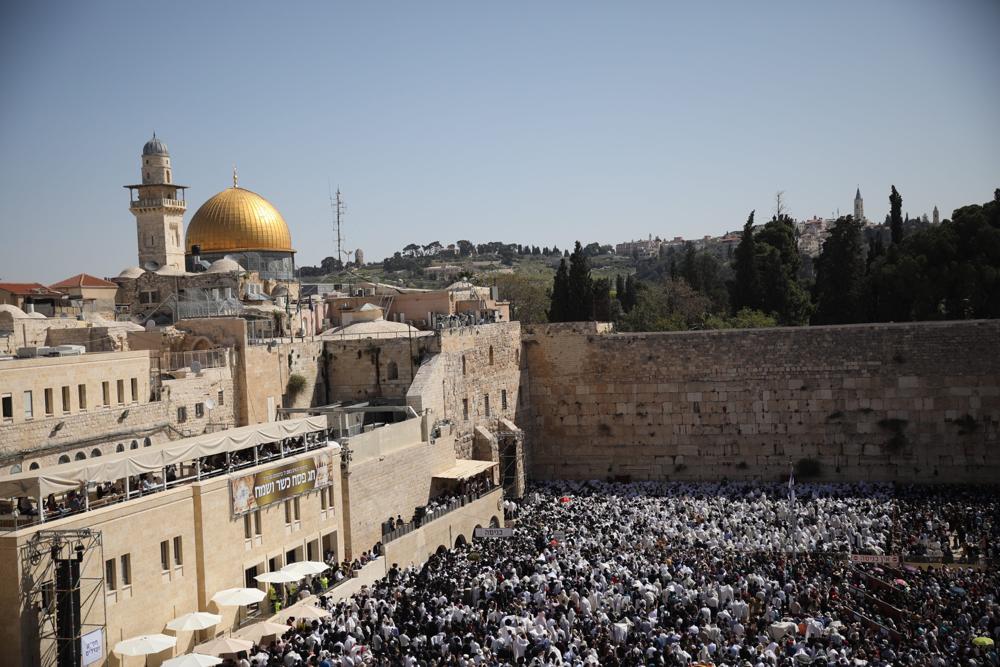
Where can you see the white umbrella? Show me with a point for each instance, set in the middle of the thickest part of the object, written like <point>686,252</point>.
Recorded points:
<point>278,577</point>
<point>306,567</point>
<point>192,660</point>
<point>303,611</point>
<point>258,631</point>
<point>224,645</point>
<point>237,597</point>
<point>196,620</point>
<point>145,644</point>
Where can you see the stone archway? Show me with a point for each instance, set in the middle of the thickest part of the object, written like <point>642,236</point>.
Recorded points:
<point>460,541</point>
<point>494,522</point>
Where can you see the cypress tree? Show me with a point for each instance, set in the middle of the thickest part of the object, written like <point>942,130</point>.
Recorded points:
<point>581,291</point>
<point>746,292</point>
<point>896,216</point>
<point>559,300</point>
<point>840,275</point>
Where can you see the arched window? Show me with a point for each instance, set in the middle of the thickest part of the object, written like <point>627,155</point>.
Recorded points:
<point>491,355</point>
<point>120,448</point>
<point>63,459</point>
<point>146,442</point>
<point>33,466</point>
<point>80,456</point>
<point>134,445</point>
<point>393,371</point>
<point>95,452</point>
<point>16,468</point>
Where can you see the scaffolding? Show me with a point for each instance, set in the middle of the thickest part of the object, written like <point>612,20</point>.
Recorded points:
<point>67,605</point>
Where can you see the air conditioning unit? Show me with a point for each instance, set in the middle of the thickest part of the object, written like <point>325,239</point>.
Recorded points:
<point>27,352</point>
<point>69,350</point>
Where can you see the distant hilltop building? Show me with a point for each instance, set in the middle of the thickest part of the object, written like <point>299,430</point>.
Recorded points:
<point>359,257</point>
<point>859,207</point>
<point>643,248</point>
<point>935,216</point>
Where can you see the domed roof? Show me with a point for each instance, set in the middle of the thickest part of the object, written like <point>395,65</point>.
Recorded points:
<point>155,147</point>
<point>225,265</point>
<point>238,220</point>
<point>132,272</point>
<point>13,311</point>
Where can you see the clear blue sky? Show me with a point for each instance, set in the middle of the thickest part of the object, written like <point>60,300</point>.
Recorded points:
<point>538,122</point>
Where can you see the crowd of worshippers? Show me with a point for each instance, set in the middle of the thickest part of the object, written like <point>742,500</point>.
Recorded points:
<point>679,574</point>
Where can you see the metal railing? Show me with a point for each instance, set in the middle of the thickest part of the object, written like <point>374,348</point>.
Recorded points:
<point>157,203</point>
<point>172,361</point>
<point>439,512</point>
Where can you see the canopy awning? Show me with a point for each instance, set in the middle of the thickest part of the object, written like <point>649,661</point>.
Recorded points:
<point>465,468</point>
<point>69,476</point>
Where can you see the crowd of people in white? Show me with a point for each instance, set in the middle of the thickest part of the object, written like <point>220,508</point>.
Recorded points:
<point>677,574</point>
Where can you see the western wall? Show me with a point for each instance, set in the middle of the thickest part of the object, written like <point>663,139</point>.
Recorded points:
<point>915,401</point>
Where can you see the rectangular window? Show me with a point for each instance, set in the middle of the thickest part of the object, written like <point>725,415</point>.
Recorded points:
<point>247,528</point>
<point>257,530</point>
<point>199,410</point>
<point>106,393</point>
<point>165,555</point>
<point>486,404</point>
<point>126,569</point>
<point>330,498</point>
<point>222,397</point>
<point>7,406</point>
<point>288,511</point>
<point>465,408</point>
<point>135,390</point>
<point>49,407</point>
<point>110,580</point>
<point>322,500</point>
<point>503,399</point>
<point>120,386</point>
<point>182,414</point>
<point>298,509</point>
<point>463,364</point>
<point>178,551</point>
<point>81,395</point>
<point>29,408</point>
<point>65,399</point>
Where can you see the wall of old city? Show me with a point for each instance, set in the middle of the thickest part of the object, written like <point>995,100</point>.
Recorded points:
<point>369,368</point>
<point>918,401</point>
<point>479,373</point>
<point>266,370</point>
<point>391,481</point>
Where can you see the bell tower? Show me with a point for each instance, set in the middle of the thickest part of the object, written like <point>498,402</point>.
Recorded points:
<point>859,207</point>
<point>158,205</point>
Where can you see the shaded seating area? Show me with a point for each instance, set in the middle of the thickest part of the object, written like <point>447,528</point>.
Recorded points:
<point>46,494</point>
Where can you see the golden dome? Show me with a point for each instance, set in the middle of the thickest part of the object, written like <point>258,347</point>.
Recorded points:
<point>238,220</point>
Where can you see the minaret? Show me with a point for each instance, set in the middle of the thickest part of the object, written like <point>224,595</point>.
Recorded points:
<point>859,207</point>
<point>158,205</point>
<point>935,216</point>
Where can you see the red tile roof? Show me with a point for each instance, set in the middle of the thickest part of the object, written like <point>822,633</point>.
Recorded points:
<point>83,280</point>
<point>28,289</point>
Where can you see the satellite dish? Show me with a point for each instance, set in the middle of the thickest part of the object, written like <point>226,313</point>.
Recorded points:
<point>150,325</point>
<point>151,265</point>
<point>210,404</point>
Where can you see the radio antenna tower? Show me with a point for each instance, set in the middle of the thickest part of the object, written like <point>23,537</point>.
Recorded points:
<point>337,209</point>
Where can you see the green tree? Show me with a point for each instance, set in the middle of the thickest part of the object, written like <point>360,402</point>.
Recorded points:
<point>581,292</point>
<point>840,275</point>
<point>746,285</point>
<point>559,299</point>
<point>527,294</point>
<point>896,216</point>
<point>602,300</point>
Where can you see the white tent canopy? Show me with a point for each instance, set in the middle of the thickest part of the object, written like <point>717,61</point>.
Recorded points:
<point>69,476</point>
